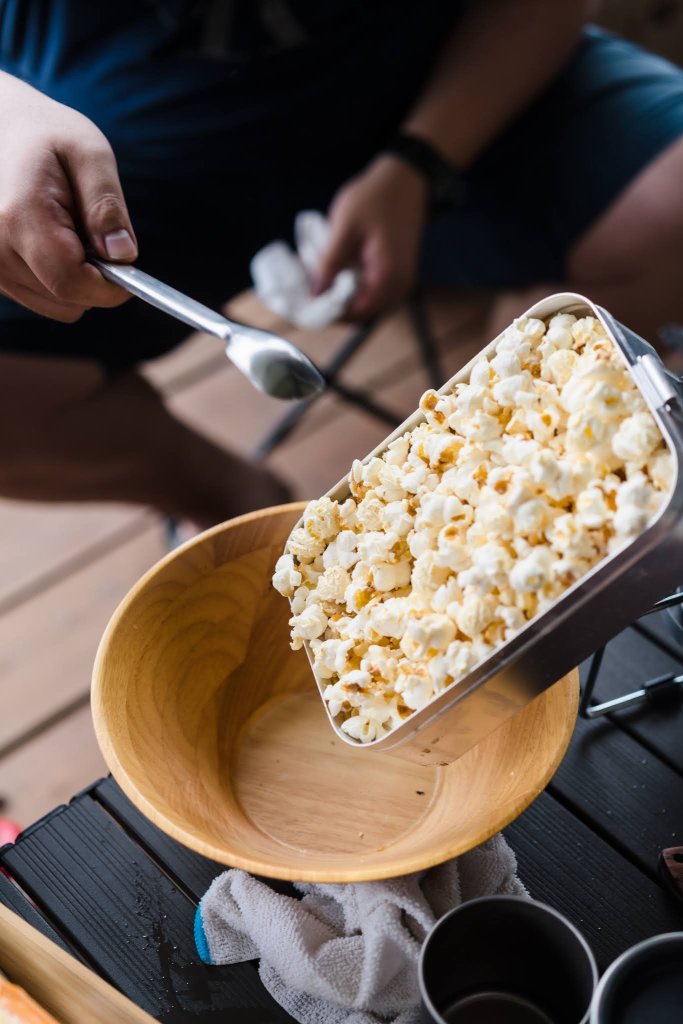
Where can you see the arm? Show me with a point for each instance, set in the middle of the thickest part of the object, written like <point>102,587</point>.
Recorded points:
<point>59,191</point>
<point>499,58</point>
<point>501,54</point>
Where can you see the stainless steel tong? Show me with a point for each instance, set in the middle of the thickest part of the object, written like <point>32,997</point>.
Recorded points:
<point>271,364</point>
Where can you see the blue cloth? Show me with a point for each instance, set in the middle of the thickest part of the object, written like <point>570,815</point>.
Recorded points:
<point>219,148</point>
<point>200,940</point>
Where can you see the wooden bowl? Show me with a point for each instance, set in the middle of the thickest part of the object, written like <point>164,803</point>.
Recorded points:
<point>215,730</point>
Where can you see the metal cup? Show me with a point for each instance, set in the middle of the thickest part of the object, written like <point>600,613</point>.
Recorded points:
<point>644,985</point>
<point>506,959</point>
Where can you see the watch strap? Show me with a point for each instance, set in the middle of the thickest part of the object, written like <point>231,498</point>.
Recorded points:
<point>446,183</point>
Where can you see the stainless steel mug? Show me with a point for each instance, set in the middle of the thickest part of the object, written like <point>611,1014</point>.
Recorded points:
<point>506,959</point>
<point>644,985</point>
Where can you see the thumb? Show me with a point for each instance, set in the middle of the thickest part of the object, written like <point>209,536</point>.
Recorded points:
<point>102,209</point>
<point>341,252</point>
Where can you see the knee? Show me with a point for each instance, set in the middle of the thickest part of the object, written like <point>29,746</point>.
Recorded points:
<point>640,232</point>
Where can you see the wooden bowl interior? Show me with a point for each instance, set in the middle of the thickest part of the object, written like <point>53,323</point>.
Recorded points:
<point>215,729</point>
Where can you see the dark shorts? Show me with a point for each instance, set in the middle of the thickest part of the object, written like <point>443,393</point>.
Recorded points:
<point>215,164</point>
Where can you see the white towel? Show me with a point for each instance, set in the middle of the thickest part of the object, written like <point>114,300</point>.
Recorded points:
<point>345,954</point>
<point>282,278</point>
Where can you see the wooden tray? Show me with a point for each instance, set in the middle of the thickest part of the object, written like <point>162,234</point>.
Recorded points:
<point>216,731</point>
<point>67,989</point>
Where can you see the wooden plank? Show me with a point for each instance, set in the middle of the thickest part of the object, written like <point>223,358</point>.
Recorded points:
<point>64,536</point>
<point>51,768</point>
<point>132,922</point>
<point>58,982</point>
<point>47,645</point>
<point>622,791</point>
<point>629,661</point>
<point>191,872</point>
<point>198,356</point>
<point>563,863</point>
<point>43,542</point>
<point>13,898</point>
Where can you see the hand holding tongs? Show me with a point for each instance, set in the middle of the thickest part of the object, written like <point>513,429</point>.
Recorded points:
<point>271,364</point>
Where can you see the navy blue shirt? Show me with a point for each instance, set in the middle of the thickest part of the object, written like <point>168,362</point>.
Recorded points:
<point>327,80</point>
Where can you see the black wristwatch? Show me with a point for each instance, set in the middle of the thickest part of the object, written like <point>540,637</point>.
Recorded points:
<point>446,185</point>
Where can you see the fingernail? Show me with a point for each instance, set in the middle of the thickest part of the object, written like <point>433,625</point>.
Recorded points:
<point>119,245</point>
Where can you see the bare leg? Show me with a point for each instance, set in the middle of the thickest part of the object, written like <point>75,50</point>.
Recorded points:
<point>631,260</point>
<point>67,433</point>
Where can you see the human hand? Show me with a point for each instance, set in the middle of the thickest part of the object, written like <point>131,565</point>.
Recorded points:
<point>376,222</point>
<point>59,191</point>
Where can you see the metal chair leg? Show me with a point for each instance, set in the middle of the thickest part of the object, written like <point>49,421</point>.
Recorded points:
<point>425,340</point>
<point>660,690</point>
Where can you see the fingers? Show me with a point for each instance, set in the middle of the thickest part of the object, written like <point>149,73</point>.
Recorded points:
<point>53,254</point>
<point>60,199</point>
<point>383,282</point>
<point>41,251</point>
<point>41,303</point>
<point>99,200</point>
<point>342,249</point>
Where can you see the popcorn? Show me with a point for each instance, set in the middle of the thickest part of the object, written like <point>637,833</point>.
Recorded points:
<point>332,584</point>
<point>494,561</point>
<point>506,392</point>
<point>532,516</point>
<point>321,519</point>
<point>370,512</point>
<point>506,364</point>
<point>286,578</point>
<point>512,487</point>
<point>531,573</point>
<point>636,438</point>
<point>397,517</point>
<point>481,374</point>
<point>415,685</point>
<point>558,336</point>
<point>390,618</point>
<point>388,576</point>
<point>427,635</point>
<point>309,625</point>
<point>343,551</point>
<point>331,656</point>
<point>474,615</point>
<point>363,728</point>
<point>303,546</point>
<point>592,508</point>
<point>452,551</point>
<point>660,469</point>
<point>559,366</point>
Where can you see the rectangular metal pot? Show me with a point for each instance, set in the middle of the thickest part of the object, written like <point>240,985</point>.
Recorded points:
<point>608,598</point>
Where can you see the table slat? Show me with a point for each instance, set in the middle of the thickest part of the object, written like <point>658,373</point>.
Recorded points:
<point>13,898</point>
<point>564,864</point>
<point>130,920</point>
<point>624,792</point>
<point>192,872</point>
<point>629,661</point>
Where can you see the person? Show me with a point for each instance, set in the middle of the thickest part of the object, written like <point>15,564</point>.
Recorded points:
<point>497,143</point>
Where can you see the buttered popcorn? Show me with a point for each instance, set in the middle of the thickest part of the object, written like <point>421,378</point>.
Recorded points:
<point>471,524</point>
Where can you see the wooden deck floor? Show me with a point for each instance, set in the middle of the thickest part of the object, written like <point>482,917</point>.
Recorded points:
<point>64,568</point>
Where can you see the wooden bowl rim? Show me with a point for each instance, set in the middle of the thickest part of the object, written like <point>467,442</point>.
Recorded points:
<point>392,868</point>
